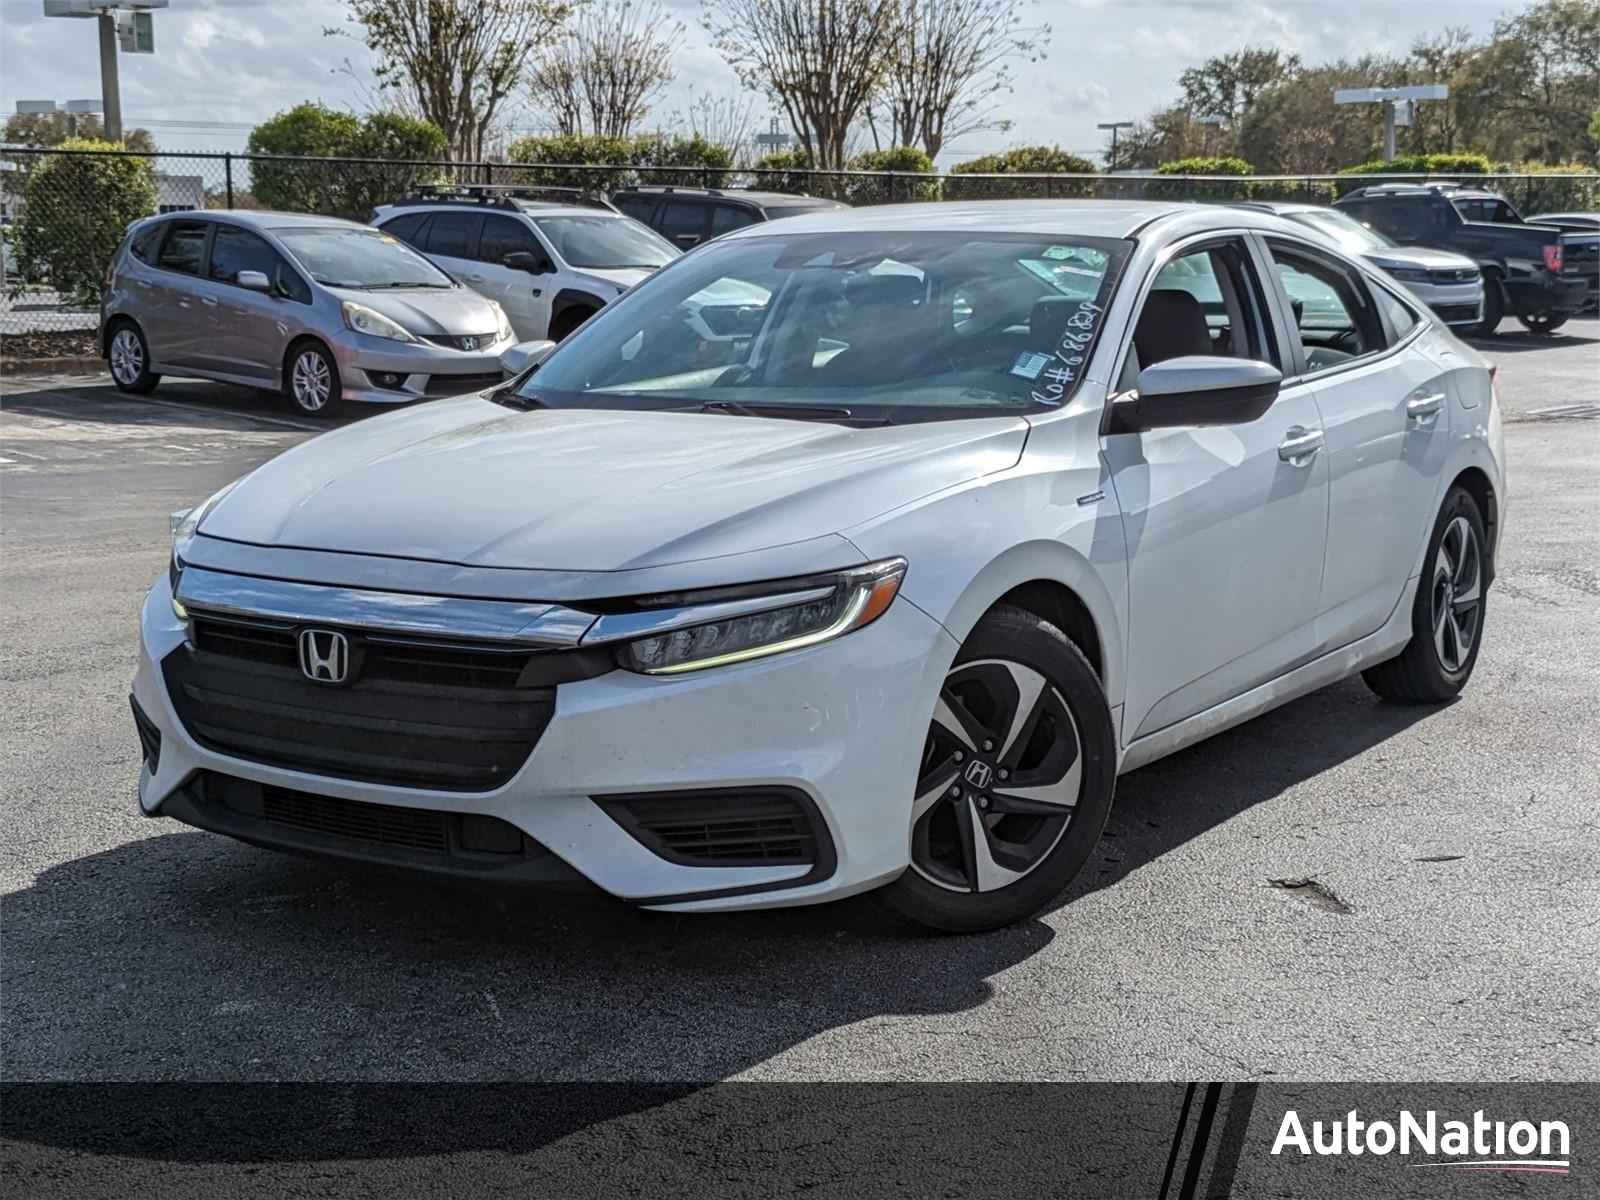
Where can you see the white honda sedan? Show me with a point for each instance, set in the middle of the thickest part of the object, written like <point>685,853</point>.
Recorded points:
<point>852,553</point>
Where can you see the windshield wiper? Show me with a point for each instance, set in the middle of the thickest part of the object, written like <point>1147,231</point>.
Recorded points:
<point>791,412</point>
<point>404,283</point>
<point>509,397</point>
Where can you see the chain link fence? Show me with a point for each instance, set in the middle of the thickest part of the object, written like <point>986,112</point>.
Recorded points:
<point>62,213</point>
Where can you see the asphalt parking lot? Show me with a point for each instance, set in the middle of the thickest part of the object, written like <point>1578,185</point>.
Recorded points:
<point>1452,934</point>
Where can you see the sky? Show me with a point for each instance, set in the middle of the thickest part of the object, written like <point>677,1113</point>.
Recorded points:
<point>221,66</point>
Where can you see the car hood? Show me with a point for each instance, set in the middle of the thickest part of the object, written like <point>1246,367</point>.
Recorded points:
<point>620,277</point>
<point>466,481</point>
<point>1419,258</point>
<point>429,311</point>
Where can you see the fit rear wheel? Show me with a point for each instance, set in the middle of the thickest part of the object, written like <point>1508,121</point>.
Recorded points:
<point>311,383</point>
<point>1015,781</point>
<point>129,359</point>
<point>1447,616</point>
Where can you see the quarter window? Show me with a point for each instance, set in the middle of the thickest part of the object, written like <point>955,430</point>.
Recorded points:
<point>637,207</point>
<point>144,244</point>
<point>1402,320</point>
<point>1331,310</point>
<point>407,228</point>
<point>727,217</point>
<point>453,235</point>
<point>184,247</point>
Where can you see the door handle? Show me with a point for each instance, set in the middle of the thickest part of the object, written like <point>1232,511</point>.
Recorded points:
<point>1424,408</point>
<point>474,278</point>
<point>208,301</point>
<point>1300,445</point>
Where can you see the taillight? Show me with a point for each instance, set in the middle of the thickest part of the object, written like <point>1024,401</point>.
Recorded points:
<point>1553,258</point>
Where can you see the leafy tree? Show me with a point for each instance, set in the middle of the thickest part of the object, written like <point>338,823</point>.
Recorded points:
<point>348,189</point>
<point>821,60</point>
<point>48,130</point>
<point>75,210</point>
<point>1541,73</point>
<point>1228,84</point>
<point>455,61</point>
<point>948,62</point>
<point>596,163</point>
<point>605,73</point>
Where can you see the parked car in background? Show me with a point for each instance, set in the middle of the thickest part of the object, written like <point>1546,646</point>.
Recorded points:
<point>321,309</point>
<point>1580,236</point>
<point>1524,269</point>
<point>551,264</point>
<point>688,216</point>
<point>1448,283</point>
<point>978,505</point>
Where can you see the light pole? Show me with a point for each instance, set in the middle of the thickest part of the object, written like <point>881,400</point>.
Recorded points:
<point>1111,166</point>
<point>122,22</point>
<point>1211,121</point>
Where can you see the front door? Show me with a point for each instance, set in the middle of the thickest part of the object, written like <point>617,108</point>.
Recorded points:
<point>524,295</point>
<point>1225,525</point>
<point>249,328</point>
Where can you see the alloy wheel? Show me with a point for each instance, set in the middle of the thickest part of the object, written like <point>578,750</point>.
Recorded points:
<point>311,381</point>
<point>1457,594</point>
<point>127,357</point>
<point>1001,774</point>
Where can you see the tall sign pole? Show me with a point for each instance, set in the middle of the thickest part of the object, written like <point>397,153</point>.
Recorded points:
<point>110,86</point>
<point>124,25</point>
<point>1398,99</point>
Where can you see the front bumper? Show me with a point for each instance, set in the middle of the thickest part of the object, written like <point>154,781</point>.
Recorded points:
<point>841,725</point>
<point>378,371</point>
<point>1456,304</point>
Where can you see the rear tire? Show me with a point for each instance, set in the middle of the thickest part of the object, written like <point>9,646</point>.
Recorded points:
<point>1014,785</point>
<point>1543,323</point>
<point>128,357</point>
<point>1447,615</point>
<point>311,380</point>
<point>1494,307</point>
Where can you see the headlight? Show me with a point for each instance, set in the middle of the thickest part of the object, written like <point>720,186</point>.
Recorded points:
<point>503,329</point>
<point>835,605</point>
<point>370,321</point>
<point>1409,274</point>
<point>184,524</point>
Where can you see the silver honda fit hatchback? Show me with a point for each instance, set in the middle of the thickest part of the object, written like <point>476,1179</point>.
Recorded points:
<point>320,309</point>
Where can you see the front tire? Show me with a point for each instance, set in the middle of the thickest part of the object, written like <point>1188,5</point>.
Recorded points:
<point>1543,323</point>
<point>1014,785</point>
<point>311,380</point>
<point>128,356</point>
<point>1447,616</point>
<point>1494,307</point>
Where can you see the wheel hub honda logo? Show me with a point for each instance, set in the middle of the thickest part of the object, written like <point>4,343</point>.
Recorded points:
<point>979,774</point>
<point>324,655</point>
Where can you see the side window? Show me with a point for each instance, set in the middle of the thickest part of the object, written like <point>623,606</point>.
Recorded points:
<point>637,207</point>
<point>1503,214</point>
<point>406,228</point>
<point>184,247</point>
<point>453,234</point>
<point>682,219</point>
<point>728,217</point>
<point>506,235</point>
<point>1332,310</point>
<point>1402,320</point>
<point>143,246</point>
<point>1206,302</point>
<point>234,250</point>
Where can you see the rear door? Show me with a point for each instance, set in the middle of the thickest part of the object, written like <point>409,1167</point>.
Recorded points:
<point>176,323</point>
<point>1385,419</point>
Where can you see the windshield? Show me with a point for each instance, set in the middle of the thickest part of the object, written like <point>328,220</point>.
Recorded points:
<point>606,242</point>
<point>1347,232</point>
<point>880,326</point>
<point>360,258</point>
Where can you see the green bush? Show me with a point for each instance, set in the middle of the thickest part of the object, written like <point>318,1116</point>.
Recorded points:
<point>1206,166</point>
<point>1302,191</point>
<point>1192,189</point>
<point>790,171</point>
<point>1541,194</point>
<point>886,188</point>
<point>1021,160</point>
<point>1424,164</point>
<point>348,189</point>
<point>75,210</point>
<point>607,162</point>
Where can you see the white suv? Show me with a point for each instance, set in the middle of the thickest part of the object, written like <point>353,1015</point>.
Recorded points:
<point>551,266</point>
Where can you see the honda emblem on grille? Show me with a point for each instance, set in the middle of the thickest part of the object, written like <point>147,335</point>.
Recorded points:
<point>324,655</point>
<point>469,343</point>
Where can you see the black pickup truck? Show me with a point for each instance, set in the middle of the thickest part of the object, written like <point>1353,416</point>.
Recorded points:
<point>1524,268</point>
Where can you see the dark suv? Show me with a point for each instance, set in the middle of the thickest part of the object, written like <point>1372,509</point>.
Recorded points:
<point>687,216</point>
<point>1524,269</point>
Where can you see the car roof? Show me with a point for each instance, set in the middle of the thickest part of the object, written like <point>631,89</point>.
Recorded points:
<point>260,218</point>
<point>750,195</point>
<point>1086,218</point>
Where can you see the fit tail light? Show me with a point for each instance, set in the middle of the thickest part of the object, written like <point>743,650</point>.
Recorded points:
<point>1554,257</point>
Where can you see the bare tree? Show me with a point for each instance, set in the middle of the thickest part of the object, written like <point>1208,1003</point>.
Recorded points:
<point>820,59</point>
<point>723,121</point>
<point>455,61</point>
<point>948,61</point>
<point>603,75</point>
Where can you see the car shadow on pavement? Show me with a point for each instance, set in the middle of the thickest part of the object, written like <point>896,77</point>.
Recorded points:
<point>91,399</point>
<point>1513,339</point>
<point>1176,799</point>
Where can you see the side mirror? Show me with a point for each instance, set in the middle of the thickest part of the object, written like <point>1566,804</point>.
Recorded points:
<point>1196,389</point>
<point>256,281</point>
<point>523,355</point>
<point>526,260</point>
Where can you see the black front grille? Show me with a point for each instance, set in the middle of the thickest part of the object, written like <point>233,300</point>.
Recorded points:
<point>721,829</point>
<point>385,824</point>
<point>149,737</point>
<point>416,712</point>
<point>460,341</point>
<point>1457,313</point>
<point>455,385</point>
<point>1453,275</point>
